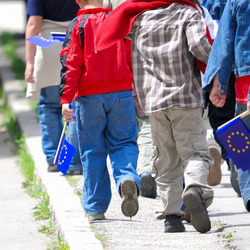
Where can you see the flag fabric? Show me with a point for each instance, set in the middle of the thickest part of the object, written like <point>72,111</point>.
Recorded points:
<point>64,155</point>
<point>45,42</point>
<point>235,137</point>
<point>60,36</point>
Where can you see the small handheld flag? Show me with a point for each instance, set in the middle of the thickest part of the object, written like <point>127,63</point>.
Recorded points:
<point>235,137</point>
<point>65,152</point>
<point>45,42</point>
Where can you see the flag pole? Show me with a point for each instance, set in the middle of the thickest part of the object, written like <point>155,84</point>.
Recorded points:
<point>59,144</point>
<point>242,115</point>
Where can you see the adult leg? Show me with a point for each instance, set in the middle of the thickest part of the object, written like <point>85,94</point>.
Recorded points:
<point>50,119</point>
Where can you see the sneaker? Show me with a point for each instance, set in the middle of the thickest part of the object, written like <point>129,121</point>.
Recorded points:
<point>74,172</point>
<point>194,204</point>
<point>129,195</point>
<point>173,224</point>
<point>214,175</point>
<point>95,217</point>
<point>234,177</point>
<point>52,168</point>
<point>148,185</point>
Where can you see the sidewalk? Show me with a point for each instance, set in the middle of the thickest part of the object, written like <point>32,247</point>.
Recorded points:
<point>230,221</point>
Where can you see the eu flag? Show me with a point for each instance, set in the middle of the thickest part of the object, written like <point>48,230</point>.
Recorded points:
<point>235,137</point>
<point>45,42</point>
<point>64,153</point>
<point>64,156</point>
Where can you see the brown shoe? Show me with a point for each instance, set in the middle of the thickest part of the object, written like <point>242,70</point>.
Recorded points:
<point>129,195</point>
<point>52,168</point>
<point>194,204</point>
<point>214,175</point>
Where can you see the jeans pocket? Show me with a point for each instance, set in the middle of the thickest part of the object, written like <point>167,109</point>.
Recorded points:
<point>88,111</point>
<point>125,117</point>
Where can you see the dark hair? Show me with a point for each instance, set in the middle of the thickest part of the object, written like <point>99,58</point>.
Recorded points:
<point>196,2</point>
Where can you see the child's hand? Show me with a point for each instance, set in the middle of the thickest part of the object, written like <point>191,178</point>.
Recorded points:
<point>67,112</point>
<point>215,97</point>
<point>248,108</point>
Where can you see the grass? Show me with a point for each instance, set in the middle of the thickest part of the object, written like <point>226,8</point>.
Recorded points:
<point>9,120</point>
<point>47,228</point>
<point>220,226</point>
<point>62,245</point>
<point>24,159</point>
<point>42,210</point>
<point>9,48</point>
<point>71,180</point>
<point>229,236</point>
<point>101,238</point>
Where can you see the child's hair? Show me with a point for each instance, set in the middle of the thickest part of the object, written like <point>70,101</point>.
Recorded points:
<point>197,2</point>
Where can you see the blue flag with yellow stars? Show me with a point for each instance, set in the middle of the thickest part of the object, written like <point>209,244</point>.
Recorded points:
<point>64,156</point>
<point>235,137</point>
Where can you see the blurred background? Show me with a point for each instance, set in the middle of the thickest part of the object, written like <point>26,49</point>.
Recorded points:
<point>12,16</point>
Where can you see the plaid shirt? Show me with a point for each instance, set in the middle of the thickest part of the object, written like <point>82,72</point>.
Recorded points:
<point>166,42</point>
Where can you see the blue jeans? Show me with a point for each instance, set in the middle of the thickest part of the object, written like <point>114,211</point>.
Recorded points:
<point>244,176</point>
<point>76,164</point>
<point>106,125</point>
<point>50,119</point>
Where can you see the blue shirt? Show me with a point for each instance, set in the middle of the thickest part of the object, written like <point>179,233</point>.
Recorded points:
<point>231,47</point>
<point>215,7</point>
<point>55,10</point>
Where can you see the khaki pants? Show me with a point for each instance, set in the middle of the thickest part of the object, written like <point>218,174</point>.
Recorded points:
<point>179,138</point>
<point>144,141</point>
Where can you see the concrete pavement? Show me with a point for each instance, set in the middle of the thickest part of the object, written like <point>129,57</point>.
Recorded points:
<point>230,220</point>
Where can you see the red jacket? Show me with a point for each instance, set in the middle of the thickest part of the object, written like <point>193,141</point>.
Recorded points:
<point>86,71</point>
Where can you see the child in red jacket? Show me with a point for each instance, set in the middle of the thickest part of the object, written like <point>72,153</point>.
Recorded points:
<point>101,83</point>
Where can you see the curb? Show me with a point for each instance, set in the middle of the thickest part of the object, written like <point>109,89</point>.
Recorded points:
<point>68,216</point>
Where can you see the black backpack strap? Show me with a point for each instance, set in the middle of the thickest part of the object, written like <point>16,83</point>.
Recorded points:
<point>81,28</point>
